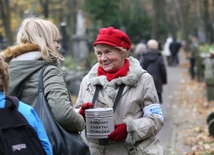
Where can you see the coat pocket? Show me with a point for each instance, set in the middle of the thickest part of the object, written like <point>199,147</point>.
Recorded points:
<point>150,146</point>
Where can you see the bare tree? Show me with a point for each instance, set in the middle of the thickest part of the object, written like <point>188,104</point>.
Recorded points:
<point>178,18</point>
<point>183,12</point>
<point>158,16</point>
<point>45,7</point>
<point>207,11</point>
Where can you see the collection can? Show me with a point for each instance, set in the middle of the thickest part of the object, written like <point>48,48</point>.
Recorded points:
<point>99,122</point>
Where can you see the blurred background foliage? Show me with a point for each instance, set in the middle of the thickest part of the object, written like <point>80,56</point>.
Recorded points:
<point>140,19</point>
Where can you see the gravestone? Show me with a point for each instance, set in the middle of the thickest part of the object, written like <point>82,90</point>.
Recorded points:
<point>80,47</point>
<point>209,78</point>
<point>80,54</point>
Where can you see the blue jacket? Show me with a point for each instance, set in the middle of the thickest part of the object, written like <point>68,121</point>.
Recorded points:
<point>30,114</point>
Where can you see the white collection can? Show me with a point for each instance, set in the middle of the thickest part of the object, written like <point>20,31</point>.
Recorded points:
<point>99,122</point>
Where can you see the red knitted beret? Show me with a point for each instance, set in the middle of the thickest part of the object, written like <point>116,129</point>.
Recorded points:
<point>113,37</point>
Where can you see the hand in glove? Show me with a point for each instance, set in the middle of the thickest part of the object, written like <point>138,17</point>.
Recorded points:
<point>119,134</point>
<point>85,106</point>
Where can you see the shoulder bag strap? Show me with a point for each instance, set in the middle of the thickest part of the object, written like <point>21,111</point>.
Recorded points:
<point>117,99</point>
<point>98,87</point>
<point>40,81</point>
<point>41,100</point>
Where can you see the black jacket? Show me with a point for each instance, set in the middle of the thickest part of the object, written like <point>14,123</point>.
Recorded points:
<point>153,63</point>
<point>174,47</point>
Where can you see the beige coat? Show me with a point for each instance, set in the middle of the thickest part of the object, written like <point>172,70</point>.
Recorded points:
<point>138,93</point>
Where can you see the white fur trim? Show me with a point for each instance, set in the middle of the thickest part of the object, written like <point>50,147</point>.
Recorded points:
<point>131,79</point>
<point>130,129</point>
<point>28,56</point>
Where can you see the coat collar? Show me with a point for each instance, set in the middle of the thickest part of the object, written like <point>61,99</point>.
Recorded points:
<point>34,55</point>
<point>131,79</point>
<point>14,51</point>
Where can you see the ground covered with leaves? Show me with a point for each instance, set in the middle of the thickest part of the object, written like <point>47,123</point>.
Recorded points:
<point>191,109</point>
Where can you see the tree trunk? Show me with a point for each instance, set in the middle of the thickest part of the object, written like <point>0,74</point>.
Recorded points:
<point>207,22</point>
<point>158,17</point>
<point>185,7</point>
<point>6,18</point>
<point>44,5</point>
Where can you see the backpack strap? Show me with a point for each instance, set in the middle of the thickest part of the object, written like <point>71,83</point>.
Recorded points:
<point>13,117</point>
<point>12,102</point>
<point>117,99</point>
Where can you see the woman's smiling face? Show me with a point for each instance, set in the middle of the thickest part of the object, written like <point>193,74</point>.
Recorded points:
<point>111,59</point>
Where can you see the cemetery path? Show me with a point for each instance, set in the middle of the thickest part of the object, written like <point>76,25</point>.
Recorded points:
<point>186,108</point>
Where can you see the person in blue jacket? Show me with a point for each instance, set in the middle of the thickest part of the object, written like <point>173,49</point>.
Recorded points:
<point>27,111</point>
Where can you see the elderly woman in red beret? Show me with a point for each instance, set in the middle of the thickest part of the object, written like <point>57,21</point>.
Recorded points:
<point>137,116</point>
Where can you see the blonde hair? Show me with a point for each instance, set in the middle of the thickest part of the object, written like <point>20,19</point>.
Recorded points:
<point>4,76</point>
<point>42,33</point>
<point>124,50</point>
